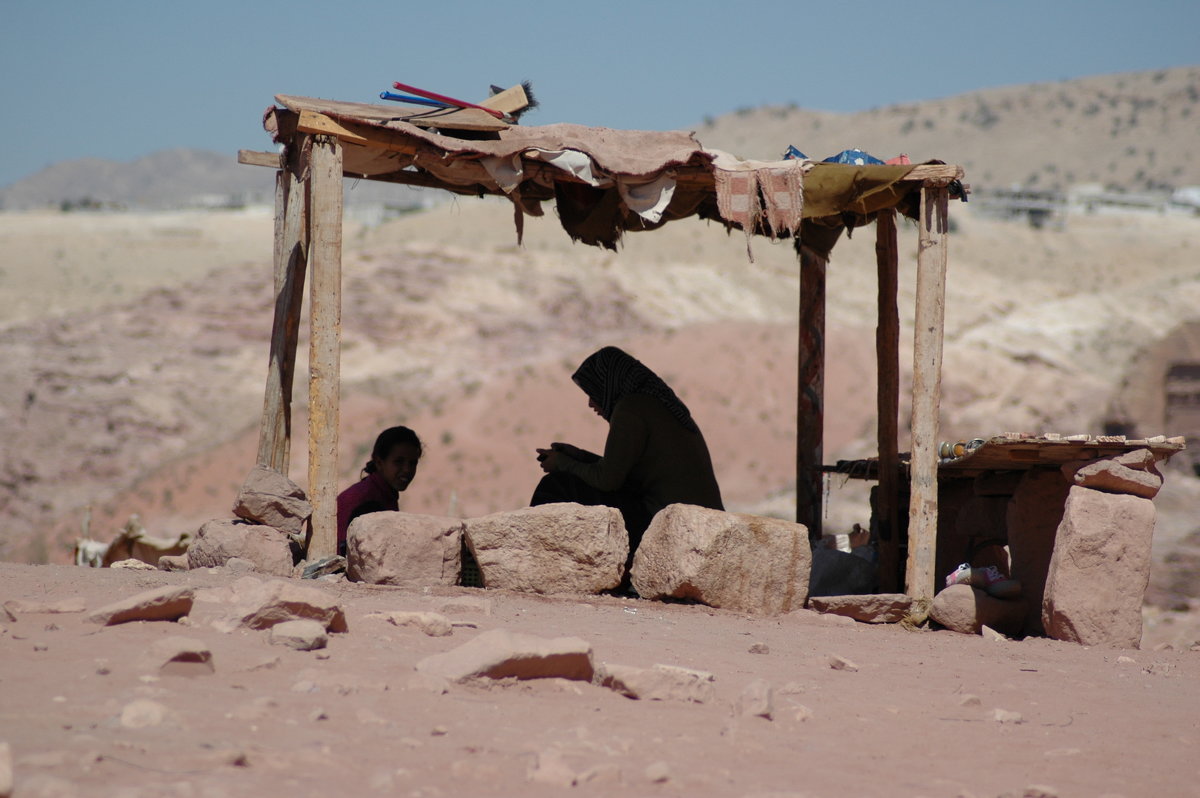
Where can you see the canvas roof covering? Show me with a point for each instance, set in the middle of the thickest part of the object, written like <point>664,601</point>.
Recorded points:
<point>606,182</point>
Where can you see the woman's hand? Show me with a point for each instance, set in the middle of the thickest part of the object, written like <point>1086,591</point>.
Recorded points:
<point>546,459</point>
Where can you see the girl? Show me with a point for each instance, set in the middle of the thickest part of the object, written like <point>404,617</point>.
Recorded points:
<point>392,466</point>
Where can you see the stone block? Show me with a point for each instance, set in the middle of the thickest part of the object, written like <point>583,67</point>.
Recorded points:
<point>501,654</point>
<point>551,548</point>
<point>730,560</point>
<point>268,497</point>
<point>403,549</point>
<point>1100,568</point>
<point>219,541</point>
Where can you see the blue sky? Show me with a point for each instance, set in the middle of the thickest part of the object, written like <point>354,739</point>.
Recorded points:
<point>119,79</point>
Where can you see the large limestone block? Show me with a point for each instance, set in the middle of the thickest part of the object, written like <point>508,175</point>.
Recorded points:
<point>268,497</point>
<point>403,549</point>
<point>966,609</point>
<point>219,541</point>
<point>551,548</point>
<point>731,560</point>
<point>1034,514</point>
<point>1100,569</point>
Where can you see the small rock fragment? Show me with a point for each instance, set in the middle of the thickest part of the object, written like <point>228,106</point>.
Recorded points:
<point>431,623</point>
<point>180,656</point>
<point>133,565</point>
<point>498,654</point>
<point>969,700</point>
<point>658,772</point>
<point>760,648</point>
<point>302,635</point>
<point>756,700</point>
<point>549,767</point>
<point>842,664</point>
<point>1004,716</point>
<point>142,713</point>
<point>660,683</point>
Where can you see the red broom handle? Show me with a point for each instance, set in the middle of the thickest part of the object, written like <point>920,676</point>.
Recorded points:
<point>444,99</point>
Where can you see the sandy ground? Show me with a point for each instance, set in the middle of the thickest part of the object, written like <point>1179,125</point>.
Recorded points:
<point>924,714</point>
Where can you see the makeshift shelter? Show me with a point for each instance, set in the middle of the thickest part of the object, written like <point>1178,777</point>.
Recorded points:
<point>606,183</point>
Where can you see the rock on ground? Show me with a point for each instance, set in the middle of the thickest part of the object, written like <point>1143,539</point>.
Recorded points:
<point>303,635</point>
<point>219,541</point>
<point>402,549</point>
<point>261,605</point>
<point>962,608</point>
<point>876,608</point>
<point>551,548</point>
<point>163,604</point>
<point>1100,569</point>
<point>500,654</point>
<point>180,656</point>
<point>731,560</point>
<point>659,683</point>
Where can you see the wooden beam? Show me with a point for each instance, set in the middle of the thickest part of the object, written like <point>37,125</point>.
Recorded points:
<point>324,358</point>
<point>508,101</point>
<point>312,122</point>
<point>291,259</point>
<point>810,397</point>
<point>927,386</point>
<point>253,158</point>
<point>887,355</point>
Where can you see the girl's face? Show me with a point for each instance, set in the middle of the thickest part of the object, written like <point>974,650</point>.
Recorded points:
<point>400,465</point>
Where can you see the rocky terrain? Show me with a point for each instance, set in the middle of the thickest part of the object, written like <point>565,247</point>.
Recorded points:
<point>220,703</point>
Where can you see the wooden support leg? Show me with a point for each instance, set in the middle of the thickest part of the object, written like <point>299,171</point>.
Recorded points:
<point>325,309</point>
<point>927,386</point>
<point>810,402</point>
<point>291,260</point>
<point>887,353</point>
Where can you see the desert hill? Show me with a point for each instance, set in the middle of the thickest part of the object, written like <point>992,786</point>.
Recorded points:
<point>135,349</point>
<point>1128,131</point>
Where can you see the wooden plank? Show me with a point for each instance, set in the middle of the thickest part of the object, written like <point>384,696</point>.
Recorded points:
<point>887,356</point>
<point>810,396</point>
<point>324,358</point>
<point>927,383</point>
<point>253,158</point>
<point>312,122</point>
<point>935,171</point>
<point>508,101</point>
<point>291,259</point>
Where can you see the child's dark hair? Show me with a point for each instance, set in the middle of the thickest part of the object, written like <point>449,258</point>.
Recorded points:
<point>389,438</point>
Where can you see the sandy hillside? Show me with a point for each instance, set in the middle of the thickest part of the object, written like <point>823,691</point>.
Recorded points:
<point>87,710</point>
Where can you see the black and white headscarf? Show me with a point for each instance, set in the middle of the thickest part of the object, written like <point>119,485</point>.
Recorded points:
<point>610,374</point>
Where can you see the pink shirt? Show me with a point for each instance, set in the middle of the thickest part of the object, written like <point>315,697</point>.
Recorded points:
<point>373,490</point>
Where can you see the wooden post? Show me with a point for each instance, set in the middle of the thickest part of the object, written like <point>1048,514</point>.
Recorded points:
<point>325,309</point>
<point>291,259</point>
<point>927,385</point>
<point>810,399</point>
<point>887,355</point>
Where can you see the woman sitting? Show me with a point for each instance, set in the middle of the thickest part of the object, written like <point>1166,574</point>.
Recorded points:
<point>392,466</point>
<point>655,454</point>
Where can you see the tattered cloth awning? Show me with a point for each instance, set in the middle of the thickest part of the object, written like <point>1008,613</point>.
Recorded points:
<point>604,181</point>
